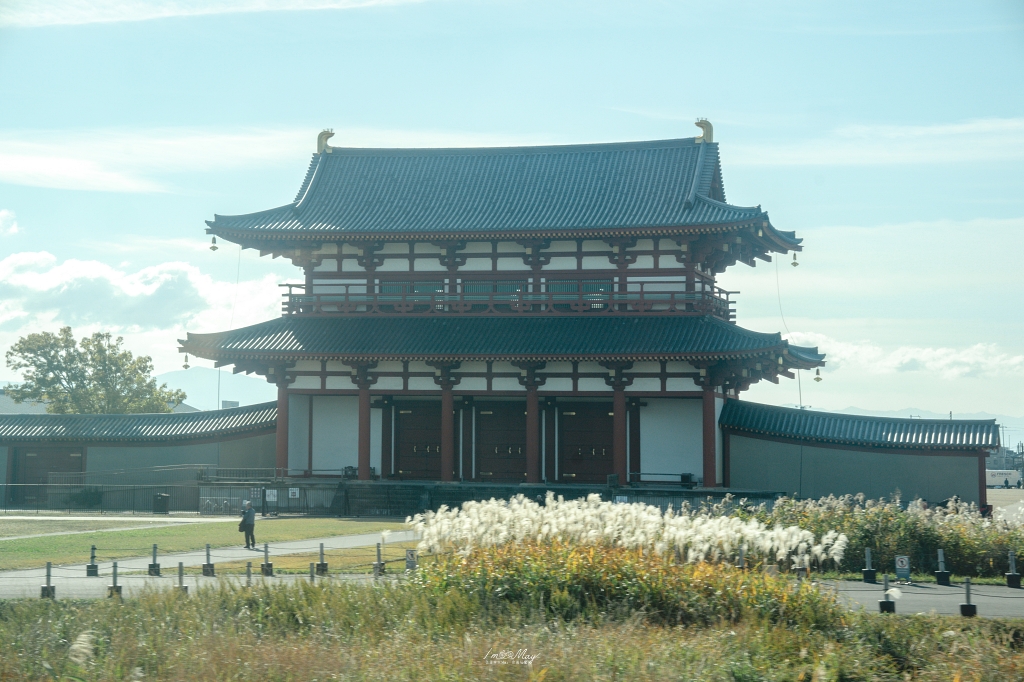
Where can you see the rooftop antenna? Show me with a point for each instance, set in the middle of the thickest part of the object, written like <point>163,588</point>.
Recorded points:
<point>708,134</point>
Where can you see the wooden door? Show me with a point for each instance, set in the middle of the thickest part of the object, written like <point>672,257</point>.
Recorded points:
<point>418,440</point>
<point>585,442</point>
<point>501,441</point>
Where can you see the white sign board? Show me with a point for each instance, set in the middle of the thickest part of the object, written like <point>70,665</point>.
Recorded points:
<point>903,567</point>
<point>271,495</point>
<point>997,478</point>
<point>293,493</point>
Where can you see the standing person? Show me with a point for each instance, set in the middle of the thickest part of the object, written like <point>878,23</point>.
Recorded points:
<point>248,525</point>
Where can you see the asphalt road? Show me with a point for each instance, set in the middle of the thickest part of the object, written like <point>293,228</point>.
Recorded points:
<point>996,601</point>
<point>71,581</point>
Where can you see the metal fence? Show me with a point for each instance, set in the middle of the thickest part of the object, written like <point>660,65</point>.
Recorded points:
<point>135,499</point>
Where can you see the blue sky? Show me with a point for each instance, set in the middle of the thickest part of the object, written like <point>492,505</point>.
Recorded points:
<point>889,135</point>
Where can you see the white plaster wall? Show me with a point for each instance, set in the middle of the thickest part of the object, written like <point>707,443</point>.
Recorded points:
<point>306,382</point>
<point>671,436</point>
<point>298,433</point>
<point>307,366</point>
<point>677,384</point>
<point>428,265</point>
<point>511,264</point>
<point>556,384</point>
<point>335,432</point>
<point>476,247</point>
<point>593,384</point>
<point>506,384</point>
<point>327,265</point>
<point>472,384</point>
<point>561,263</point>
<point>477,264</point>
<point>422,384</point>
<point>644,384</point>
<point>394,265</point>
<point>597,263</point>
<point>386,384</point>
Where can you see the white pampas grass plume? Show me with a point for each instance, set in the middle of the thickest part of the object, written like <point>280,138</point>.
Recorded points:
<point>81,651</point>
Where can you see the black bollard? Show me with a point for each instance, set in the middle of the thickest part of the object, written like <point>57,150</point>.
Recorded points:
<point>968,610</point>
<point>1013,577</point>
<point>154,568</point>
<point>321,567</point>
<point>208,566</point>
<point>886,605</point>
<point>868,572</point>
<point>48,591</point>
<point>92,570</point>
<point>266,568</point>
<point>942,575</point>
<point>114,590</point>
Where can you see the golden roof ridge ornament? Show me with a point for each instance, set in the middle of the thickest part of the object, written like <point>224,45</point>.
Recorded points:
<point>708,134</point>
<point>321,141</point>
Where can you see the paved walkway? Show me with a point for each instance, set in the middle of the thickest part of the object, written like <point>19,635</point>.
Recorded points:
<point>71,582</point>
<point>992,600</point>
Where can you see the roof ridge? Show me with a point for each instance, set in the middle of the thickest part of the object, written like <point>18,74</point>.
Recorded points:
<point>843,415</point>
<point>513,149</point>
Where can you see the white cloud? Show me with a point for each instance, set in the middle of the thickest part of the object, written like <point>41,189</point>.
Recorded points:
<point>978,360</point>
<point>8,223</point>
<point>61,12</point>
<point>141,160</point>
<point>151,307</point>
<point>991,139</point>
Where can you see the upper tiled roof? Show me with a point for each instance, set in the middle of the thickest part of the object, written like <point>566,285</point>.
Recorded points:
<point>350,337</point>
<point>509,190</point>
<point>845,429</point>
<point>153,428</point>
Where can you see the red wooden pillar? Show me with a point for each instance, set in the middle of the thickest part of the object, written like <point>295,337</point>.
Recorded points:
<point>982,480</point>
<point>710,463</point>
<point>532,435</point>
<point>447,432</point>
<point>385,441</point>
<point>634,440</point>
<point>281,456</point>
<point>619,462</point>
<point>364,431</point>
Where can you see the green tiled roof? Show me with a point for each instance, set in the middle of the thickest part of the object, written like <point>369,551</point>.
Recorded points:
<point>555,189</point>
<point>151,428</point>
<point>845,429</point>
<point>564,337</point>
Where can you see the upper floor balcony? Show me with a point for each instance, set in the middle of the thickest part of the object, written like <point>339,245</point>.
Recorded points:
<point>463,296</point>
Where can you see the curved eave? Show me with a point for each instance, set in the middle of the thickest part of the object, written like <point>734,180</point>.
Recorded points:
<point>794,357</point>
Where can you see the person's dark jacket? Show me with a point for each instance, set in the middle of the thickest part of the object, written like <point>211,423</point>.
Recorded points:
<point>249,516</point>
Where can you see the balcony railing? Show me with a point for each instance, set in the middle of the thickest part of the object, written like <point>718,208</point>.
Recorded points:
<point>594,297</point>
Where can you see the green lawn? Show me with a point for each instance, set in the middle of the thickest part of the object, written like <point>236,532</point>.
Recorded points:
<point>71,549</point>
<point>49,524</point>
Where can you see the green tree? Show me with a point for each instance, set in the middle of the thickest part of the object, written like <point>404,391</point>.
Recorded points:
<point>95,376</point>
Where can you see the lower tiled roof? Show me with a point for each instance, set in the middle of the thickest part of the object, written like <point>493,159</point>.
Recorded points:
<point>627,336</point>
<point>151,428</point>
<point>846,429</point>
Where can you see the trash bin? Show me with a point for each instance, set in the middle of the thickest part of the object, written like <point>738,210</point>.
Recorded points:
<point>161,503</point>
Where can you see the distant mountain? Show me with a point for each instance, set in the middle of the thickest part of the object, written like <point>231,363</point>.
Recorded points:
<point>200,385</point>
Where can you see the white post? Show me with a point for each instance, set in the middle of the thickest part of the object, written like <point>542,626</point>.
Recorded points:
<point>967,589</point>
<point>942,561</point>
<point>885,586</point>
<point>1013,561</point>
<point>867,558</point>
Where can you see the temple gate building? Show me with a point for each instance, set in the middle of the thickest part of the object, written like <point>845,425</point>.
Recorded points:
<point>549,315</point>
<point>521,314</point>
